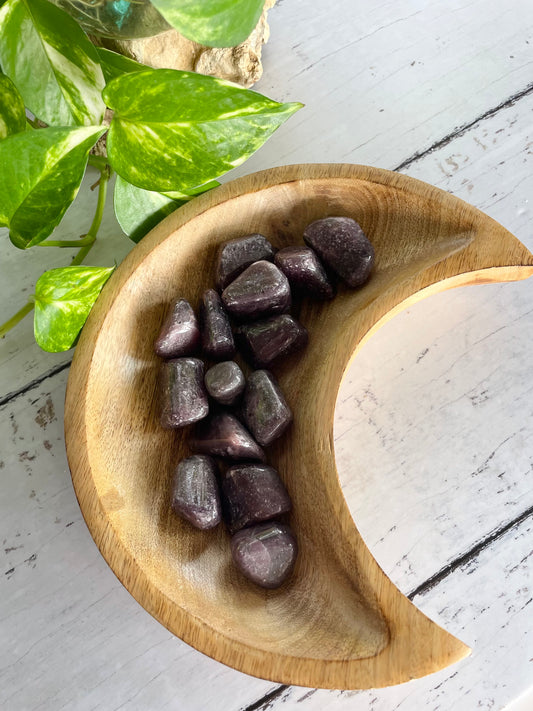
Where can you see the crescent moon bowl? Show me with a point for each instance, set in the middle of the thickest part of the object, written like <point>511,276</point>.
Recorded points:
<point>339,622</point>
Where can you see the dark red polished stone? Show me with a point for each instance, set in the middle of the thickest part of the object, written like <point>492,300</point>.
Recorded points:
<point>195,494</point>
<point>305,272</point>
<point>222,435</point>
<point>237,254</point>
<point>225,382</point>
<point>343,246</point>
<point>264,342</point>
<point>217,337</point>
<point>265,553</point>
<point>182,392</point>
<point>264,408</point>
<point>252,493</point>
<point>180,333</point>
<point>261,290</point>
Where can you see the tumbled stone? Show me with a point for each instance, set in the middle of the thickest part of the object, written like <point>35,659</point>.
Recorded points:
<point>195,494</point>
<point>225,382</point>
<point>263,342</point>
<point>252,493</point>
<point>180,333</point>
<point>265,553</point>
<point>264,408</point>
<point>305,272</point>
<point>182,392</point>
<point>343,246</point>
<point>261,290</point>
<point>237,254</point>
<point>222,435</point>
<point>217,337</point>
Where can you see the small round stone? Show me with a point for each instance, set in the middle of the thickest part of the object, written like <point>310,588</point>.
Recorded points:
<point>182,392</point>
<point>261,290</point>
<point>217,337</point>
<point>265,410</point>
<point>343,246</point>
<point>265,342</point>
<point>180,333</point>
<point>252,493</point>
<point>265,553</point>
<point>195,495</point>
<point>225,382</point>
<point>222,435</point>
<point>305,272</point>
<point>237,254</point>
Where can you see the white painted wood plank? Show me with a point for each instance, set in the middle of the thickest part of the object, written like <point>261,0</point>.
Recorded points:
<point>383,80</point>
<point>487,603</point>
<point>71,635</point>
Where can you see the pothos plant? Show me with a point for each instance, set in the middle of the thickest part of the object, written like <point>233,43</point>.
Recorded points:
<point>172,133</point>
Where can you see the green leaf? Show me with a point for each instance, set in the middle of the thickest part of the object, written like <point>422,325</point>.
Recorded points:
<point>12,112</point>
<point>216,23</point>
<point>41,174</point>
<point>115,65</point>
<point>138,210</point>
<point>174,128</point>
<point>63,300</point>
<point>52,62</point>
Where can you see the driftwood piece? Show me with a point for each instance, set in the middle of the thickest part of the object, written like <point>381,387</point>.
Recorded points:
<point>170,49</point>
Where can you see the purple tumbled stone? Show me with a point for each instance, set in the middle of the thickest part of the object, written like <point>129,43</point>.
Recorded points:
<point>261,290</point>
<point>305,272</point>
<point>182,392</point>
<point>217,337</point>
<point>224,436</point>
<point>263,342</point>
<point>195,495</point>
<point>237,254</point>
<point>264,408</point>
<point>343,246</point>
<point>225,382</point>
<point>252,493</point>
<point>180,333</point>
<point>265,553</point>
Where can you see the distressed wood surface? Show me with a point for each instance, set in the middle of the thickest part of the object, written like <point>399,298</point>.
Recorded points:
<point>456,80</point>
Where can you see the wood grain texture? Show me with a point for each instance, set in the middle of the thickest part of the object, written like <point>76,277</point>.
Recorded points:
<point>339,622</point>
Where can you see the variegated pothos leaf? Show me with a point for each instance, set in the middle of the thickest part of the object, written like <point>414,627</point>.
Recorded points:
<point>172,129</point>
<point>63,299</point>
<point>40,177</point>
<point>52,62</point>
<point>215,23</point>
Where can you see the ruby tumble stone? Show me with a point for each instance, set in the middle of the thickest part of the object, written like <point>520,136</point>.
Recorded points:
<point>195,495</point>
<point>222,435</point>
<point>217,337</point>
<point>264,408</point>
<point>264,342</point>
<point>182,392</point>
<point>237,254</point>
<point>343,246</point>
<point>305,272</point>
<point>261,290</point>
<point>180,333</point>
<point>252,493</point>
<point>265,553</point>
<point>225,382</point>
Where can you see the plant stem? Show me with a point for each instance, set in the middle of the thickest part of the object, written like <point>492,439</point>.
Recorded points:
<point>67,242</point>
<point>8,325</point>
<point>98,162</point>
<point>90,237</point>
<point>32,122</point>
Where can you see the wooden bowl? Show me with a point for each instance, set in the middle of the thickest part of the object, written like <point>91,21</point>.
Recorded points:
<point>338,622</point>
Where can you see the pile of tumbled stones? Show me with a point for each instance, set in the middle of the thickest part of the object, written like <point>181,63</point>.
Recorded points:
<point>238,416</point>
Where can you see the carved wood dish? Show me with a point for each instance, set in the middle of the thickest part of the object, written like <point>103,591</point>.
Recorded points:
<point>339,622</point>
